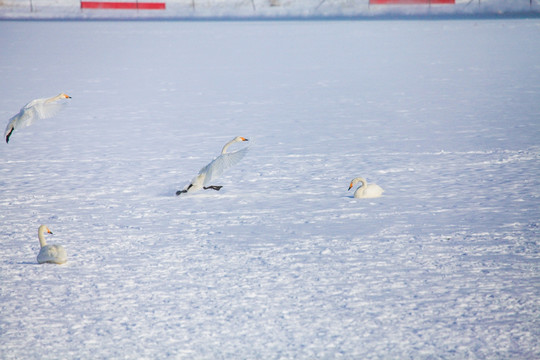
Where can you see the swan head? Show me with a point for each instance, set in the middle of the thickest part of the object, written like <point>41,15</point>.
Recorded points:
<point>64,96</point>
<point>44,229</point>
<point>356,181</point>
<point>235,140</point>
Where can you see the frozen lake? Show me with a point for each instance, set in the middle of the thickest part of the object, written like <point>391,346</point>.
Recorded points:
<point>282,262</point>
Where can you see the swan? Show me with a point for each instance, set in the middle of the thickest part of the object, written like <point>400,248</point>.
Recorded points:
<point>215,168</point>
<point>54,254</point>
<point>34,110</point>
<point>365,190</point>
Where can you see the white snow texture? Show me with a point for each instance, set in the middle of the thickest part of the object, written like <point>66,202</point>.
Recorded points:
<point>282,262</point>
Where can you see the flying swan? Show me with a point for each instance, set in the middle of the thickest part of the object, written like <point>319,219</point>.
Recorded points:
<point>215,168</point>
<point>365,190</point>
<point>34,110</point>
<point>54,254</point>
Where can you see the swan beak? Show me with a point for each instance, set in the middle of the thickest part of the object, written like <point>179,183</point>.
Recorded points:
<point>49,231</point>
<point>350,187</point>
<point>244,139</point>
<point>66,96</point>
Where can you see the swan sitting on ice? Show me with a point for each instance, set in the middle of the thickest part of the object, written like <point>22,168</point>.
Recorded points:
<point>54,254</point>
<point>215,168</point>
<point>34,110</point>
<point>365,190</point>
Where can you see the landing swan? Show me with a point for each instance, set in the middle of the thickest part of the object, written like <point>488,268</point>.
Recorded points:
<point>34,110</point>
<point>365,190</point>
<point>54,254</point>
<point>215,168</point>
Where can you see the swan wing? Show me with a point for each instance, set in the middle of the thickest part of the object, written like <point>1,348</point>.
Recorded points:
<point>373,190</point>
<point>220,164</point>
<point>42,109</point>
<point>23,119</point>
<point>34,110</point>
<point>52,254</point>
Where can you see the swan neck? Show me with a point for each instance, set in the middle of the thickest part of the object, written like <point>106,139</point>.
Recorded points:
<point>41,238</point>
<point>224,150</point>
<point>54,98</point>
<point>362,182</point>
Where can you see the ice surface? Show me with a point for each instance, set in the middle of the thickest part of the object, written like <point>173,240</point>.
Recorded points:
<point>282,262</point>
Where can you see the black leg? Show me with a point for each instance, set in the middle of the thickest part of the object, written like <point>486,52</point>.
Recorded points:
<point>9,134</point>
<point>184,191</point>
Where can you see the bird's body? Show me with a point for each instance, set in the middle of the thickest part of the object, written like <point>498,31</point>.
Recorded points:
<point>34,110</point>
<point>215,168</point>
<point>54,254</point>
<point>365,191</point>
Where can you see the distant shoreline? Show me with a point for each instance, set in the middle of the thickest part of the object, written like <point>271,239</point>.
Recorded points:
<point>284,18</point>
<point>185,10</point>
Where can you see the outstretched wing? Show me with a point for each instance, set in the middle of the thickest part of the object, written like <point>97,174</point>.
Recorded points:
<point>34,110</point>
<point>43,109</point>
<point>220,164</point>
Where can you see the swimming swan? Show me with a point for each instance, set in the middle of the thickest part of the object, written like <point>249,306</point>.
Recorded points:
<point>365,190</point>
<point>54,254</point>
<point>34,110</point>
<point>215,168</point>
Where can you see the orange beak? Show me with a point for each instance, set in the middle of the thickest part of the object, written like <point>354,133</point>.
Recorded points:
<point>350,186</point>
<point>244,139</point>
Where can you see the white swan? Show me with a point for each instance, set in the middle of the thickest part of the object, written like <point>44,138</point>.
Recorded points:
<point>54,254</point>
<point>34,110</point>
<point>215,168</point>
<point>365,190</point>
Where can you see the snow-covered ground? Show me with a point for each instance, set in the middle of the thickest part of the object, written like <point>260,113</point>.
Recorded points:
<point>282,262</point>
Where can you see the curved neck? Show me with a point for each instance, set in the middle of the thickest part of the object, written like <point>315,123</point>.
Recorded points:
<point>360,180</point>
<point>224,150</point>
<point>41,231</point>
<point>54,98</point>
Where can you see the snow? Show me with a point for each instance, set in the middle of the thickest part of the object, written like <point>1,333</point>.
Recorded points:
<point>282,262</point>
